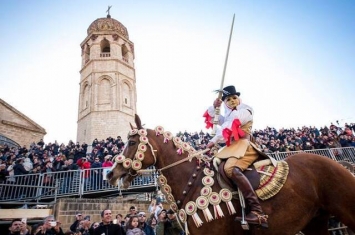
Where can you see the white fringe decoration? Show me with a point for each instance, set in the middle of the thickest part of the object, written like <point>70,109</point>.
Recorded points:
<point>197,220</point>
<point>218,213</point>
<point>207,214</point>
<point>231,208</point>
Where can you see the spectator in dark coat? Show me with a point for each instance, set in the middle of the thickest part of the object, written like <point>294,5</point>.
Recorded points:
<point>148,230</point>
<point>19,169</point>
<point>106,226</point>
<point>96,177</point>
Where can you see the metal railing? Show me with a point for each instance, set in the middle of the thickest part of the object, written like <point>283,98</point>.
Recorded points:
<point>49,185</point>
<point>37,187</point>
<point>337,154</point>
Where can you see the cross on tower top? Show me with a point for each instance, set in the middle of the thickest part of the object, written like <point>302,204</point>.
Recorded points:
<point>108,12</point>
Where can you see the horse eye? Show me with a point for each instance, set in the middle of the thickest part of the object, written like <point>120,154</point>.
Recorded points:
<point>131,143</point>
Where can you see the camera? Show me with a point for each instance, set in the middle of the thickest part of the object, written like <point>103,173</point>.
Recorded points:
<point>52,223</point>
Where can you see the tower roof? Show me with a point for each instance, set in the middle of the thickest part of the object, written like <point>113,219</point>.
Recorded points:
<point>107,25</point>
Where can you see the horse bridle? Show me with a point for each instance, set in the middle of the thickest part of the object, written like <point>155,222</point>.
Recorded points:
<point>136,163</point>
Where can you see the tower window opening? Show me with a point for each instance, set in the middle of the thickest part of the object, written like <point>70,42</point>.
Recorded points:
<point>85,100</point>
<point>105,48</point>
<point>126,94</point>
<point>125,53</point>
<point>87,53</point>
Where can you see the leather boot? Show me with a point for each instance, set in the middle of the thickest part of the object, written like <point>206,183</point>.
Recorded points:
<point>256,214</point>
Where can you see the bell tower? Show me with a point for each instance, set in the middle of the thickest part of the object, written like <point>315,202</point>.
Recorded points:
<point>107,97</point>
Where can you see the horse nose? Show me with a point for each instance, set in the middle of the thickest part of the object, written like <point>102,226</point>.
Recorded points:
<point>109,175</point>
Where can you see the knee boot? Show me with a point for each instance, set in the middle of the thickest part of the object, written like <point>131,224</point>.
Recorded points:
<point>256,215</point>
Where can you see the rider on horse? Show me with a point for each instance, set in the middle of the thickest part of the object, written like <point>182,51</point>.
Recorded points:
<point>236,125</point>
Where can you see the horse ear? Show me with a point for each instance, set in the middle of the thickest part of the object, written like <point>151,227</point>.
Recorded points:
<point>132,127</point>
<point>138,122</point>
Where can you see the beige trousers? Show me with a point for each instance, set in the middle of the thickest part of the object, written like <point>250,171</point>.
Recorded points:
<point>243,162</point>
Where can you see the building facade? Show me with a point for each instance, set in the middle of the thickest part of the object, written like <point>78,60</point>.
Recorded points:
<point>107,98</point>
<point>16,129</point>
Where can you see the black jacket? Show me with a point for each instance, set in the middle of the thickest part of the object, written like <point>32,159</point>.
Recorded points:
<point>110,229</point>
<point>19,169</point>
<point>51,232</point>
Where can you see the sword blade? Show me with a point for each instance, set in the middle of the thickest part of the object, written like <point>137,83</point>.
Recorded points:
<point>218,109</point>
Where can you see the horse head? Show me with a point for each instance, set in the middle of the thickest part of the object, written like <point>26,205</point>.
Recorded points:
<point>138,153</point>
<point>147,147</point>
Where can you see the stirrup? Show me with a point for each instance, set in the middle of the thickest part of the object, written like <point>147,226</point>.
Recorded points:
<point>262,219</point>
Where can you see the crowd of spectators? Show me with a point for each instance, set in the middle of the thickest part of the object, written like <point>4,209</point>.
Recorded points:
<point>52,157</point>
<point>271,140</point>
<point>155,221</point>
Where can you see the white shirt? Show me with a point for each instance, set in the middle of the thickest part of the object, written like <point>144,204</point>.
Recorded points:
<point>243,112</point>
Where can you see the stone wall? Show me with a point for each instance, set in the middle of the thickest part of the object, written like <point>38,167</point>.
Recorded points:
<point>20,135</point>
<point>17,126</point>
<point>67,208</point>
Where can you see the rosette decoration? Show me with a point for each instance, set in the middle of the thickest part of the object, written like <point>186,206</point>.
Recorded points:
<point>191,209</point>
<point>167,136</point>
<point>202,204</point>
<point>178,142</point>
<point>226,196</point>
<point>183,218</point>
<point>215,200</point>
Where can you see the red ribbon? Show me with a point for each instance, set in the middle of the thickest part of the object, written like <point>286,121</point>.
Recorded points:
<point>208,120</point>
<point>236,132</point>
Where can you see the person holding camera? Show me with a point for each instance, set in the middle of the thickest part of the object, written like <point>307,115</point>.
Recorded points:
<point>50,227</point>
<point>74,227</point>
<point>167,223</point>
<point>84,226</point>
<point>142,219</point>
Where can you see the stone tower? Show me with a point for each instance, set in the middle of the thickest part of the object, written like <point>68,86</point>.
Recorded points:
<point>107,99</point>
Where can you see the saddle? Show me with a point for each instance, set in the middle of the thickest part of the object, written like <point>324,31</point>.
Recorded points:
<point>252,175</point>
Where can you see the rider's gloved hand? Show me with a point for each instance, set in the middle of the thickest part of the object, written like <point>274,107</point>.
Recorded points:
<point>217,103</point>
<point>210,145</point>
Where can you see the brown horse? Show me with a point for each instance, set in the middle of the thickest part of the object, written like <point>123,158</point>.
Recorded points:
<point>316,188</point>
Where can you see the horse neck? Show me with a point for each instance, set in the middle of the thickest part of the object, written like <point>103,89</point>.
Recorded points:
<point>177,176</point>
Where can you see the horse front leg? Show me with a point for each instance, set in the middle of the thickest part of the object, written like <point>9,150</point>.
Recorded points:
<point>317,226</point>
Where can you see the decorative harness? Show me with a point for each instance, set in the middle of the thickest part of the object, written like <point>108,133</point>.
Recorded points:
<point>207,196</point>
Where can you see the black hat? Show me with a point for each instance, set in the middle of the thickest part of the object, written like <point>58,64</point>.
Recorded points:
<point>170,211</point>
<point>229,90</point>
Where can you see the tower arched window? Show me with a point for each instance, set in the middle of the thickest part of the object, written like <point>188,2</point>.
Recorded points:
<point>125,53</point>
<point>104,92</point>
<point>126,92</point>
<point>87,53</point>
<point>105,48</point>
<point>85,100</point>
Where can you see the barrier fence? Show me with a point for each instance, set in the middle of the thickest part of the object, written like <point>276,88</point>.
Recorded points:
<point>37,187</point>
<point>50,185</point>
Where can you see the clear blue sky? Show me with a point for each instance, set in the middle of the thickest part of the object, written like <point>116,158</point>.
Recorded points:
<point>293,61</point>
